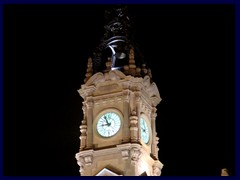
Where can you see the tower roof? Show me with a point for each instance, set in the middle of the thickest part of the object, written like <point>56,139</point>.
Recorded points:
<point>118,48</point>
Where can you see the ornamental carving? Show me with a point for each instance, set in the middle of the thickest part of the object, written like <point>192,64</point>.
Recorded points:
<point>125,153</point>
<point>110,87</point>
<point>100,77</point>
<point>156,171</point>
<point>135,154</point>
<point>81,164</point>
<point>88,160</point>
<point>157,167</point>
<point>151,88</point>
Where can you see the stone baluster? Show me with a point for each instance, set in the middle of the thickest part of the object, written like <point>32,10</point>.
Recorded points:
<point>83,128</point>
<point>134,127</point>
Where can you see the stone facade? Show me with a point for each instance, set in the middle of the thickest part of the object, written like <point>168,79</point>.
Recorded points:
<point>124,153</point>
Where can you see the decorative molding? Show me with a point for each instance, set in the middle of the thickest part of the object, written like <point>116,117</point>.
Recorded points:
<point>117,75</point>
<point>126,95</point>
<point>88,160</point>
<point>89,103</point>
<point>125,153</point>
<point>83,136</point>
<point>102,77</point>
<point>112,100</point>
<point>148,90</point>
<point>152,90</point>
<point>157,167</point>
<point>86,91</point>
<point>81,163</point>
<point>133,127</point>
<point>110,87</point>
<point>84,158</point>
<point>135,154</point>
<point>96,78</point>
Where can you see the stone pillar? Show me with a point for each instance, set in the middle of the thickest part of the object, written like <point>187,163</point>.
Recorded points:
<point>126,134</point>
<point>138,110</point>
<point>134,127</point>
<point>154,133</point>
<point>83,128</point>
<point>83,137</point>
<point>89,105</point>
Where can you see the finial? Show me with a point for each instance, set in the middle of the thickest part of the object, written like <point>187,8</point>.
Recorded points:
<point>144,69</point>
<point>126,69</point>
<point>132,66</point>
<point>138,72</point>
<point>131,59</point>
<point>108,64</point>
<point>149,73</point>
<point>134,113</point>
<point>89,69</point>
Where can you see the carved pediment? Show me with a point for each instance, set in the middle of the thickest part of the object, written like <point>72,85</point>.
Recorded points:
<point>115,81</point>
<point>152,90</point>
<point>101,77</point>
<point>96,78</point>
<point>107,172</point>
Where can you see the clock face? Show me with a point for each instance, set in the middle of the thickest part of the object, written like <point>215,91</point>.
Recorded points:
<point>108,124</point>
<point>144,131</point>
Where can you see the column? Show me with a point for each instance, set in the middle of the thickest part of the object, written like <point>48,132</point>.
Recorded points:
<point>134,127</point>
<point>89,105</point>
<point>138,110</point>
<point>126,133</point>
<point>154,133</point>
<point>83,128</point>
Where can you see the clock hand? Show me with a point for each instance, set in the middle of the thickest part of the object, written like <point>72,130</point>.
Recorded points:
<point>108,123</point>
<point>106,120</point>
<point>144,124</point>
<point>143,129</point>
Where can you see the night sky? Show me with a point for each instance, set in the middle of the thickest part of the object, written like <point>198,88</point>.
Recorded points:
<point>189,48</point>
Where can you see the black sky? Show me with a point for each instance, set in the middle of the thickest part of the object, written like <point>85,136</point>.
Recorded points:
<point>189,48</point>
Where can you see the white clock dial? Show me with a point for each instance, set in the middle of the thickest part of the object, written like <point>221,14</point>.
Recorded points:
<point>144,131</point>
<point>108,124</point>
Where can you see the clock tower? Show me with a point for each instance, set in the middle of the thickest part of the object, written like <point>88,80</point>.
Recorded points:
<point>118,129</point>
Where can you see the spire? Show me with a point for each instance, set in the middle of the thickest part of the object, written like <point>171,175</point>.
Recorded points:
<point>119,44</point>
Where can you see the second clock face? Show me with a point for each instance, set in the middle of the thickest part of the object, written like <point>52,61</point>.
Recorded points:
<point>144,131</point>
<point>108,124</point>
